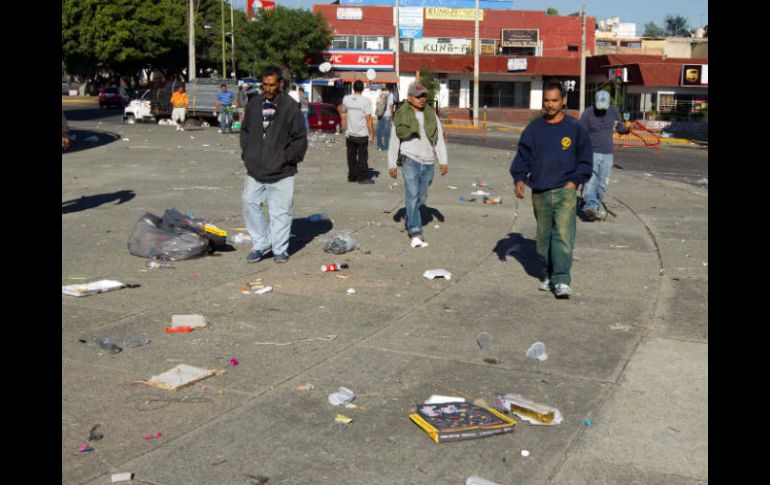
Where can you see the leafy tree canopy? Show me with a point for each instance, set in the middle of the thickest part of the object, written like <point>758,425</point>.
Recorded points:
<point>676,26</point>
<point>551,11</point>
<point>651,29</point>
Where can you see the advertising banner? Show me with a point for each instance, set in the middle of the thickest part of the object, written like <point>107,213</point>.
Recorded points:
<point>695,75</point>
<point>441,13</point>
<point>350,14</point>
<point>517,64</point>
<point>519,38</point>
<point>483,4</point>
<point>410,22</point>
<point>433,46</point>
<point>353,60</point>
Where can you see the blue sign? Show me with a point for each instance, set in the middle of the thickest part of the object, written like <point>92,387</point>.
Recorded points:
<point>483,4</point>
<point>410,32</point>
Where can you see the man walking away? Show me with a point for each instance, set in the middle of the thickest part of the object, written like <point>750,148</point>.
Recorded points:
<point>554,157</point>
<point>273,142</point>
<point>304,105</point>
<point>179,103</point>
<point>224,105</point>
<point>599,123</point>
<point>384,113</point>
<point>415,144</point>
<point>356,112</point>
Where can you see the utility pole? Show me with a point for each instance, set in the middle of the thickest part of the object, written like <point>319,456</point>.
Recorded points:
<point>232,36</point>
<point>191,44</point>
<point>398,49</point>
<point>583,62</point>
<point>224,73</point>
<point>476,68</point>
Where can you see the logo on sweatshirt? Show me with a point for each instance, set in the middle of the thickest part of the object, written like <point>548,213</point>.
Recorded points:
<point>565,142</point>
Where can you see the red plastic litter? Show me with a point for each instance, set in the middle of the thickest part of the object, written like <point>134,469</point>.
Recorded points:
<point>85,448</point>
<point>152,436</point>
<point>233,362</point>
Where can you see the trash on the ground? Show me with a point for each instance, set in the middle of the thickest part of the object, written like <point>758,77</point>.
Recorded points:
<point>342,419</point>
<point>258,480</point>
<point>492,360</point>
<point>192,321</point>
<point>476,480</point>
<point>537,351</point>
<point>136,341</point>
<point>342,396</point>
<point>460,421</point>
<point>618,326</point>
<point>328,338</point>
<point>122,477</point>
<point>483,340</point>
<point>463,199</point>
<point>436,226</point>
<point>647,174</point>
<point>440,399</point>
<point>534,413</point>
<point>351,406</point>
<point>262,291</point>
<point>85,448</point>
<point>304,387</point>
<point>703,181</point>
<point>180,376</point>
<point>481,193</point>
<point>109,346</point>
<point>351,291</point>
<point>318,217</point>
<point>240,239</point>
<point>342,276</point>
<point>152,436</point>
<point>340,244</point>
<point>126,139</point>
<point>493,200</point>
<point>437,273</point>
<point>393,186</point>
<point>334,267</point>
<point>525,453</point>
<point>94,434</point>
<point>93,288</point>
<point>233,362</point>
<point>158,264</point>
<point>171,238</point>
<point>185,329</point>
<point>451,187</point>
<point>481,184</point>
<point>588,422</point>
<point>92,139</point>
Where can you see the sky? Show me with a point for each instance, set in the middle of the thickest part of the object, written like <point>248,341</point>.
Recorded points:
<point>639,12</point>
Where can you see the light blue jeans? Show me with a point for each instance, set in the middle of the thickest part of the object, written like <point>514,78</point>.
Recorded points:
<point>226,119</point>
<point>597,185</point>
<point>383,132</point>
<point>417,178</point>
<point>305,114</point>
<point>280,202</point>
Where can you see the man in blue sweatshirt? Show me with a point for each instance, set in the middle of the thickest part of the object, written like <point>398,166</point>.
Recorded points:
<point>554,157</point>
<point>599,122</point>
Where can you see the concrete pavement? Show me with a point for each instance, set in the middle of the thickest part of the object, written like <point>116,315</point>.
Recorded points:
<point>628,351</point>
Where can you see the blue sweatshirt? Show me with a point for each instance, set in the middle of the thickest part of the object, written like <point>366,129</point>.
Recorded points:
<point>552,154</point>
<point>599,128</point>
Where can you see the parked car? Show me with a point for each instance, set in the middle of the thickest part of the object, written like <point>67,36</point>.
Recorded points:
<point>113,97</point>
<point>324,117</point>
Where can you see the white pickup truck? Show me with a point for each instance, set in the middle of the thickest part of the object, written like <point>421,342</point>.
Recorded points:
<point>155,103</point>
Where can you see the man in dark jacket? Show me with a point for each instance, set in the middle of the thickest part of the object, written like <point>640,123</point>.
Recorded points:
<point>273,142</point>
<point>554,156</point>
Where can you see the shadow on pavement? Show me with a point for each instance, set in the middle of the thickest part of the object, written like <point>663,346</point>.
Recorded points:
<point>81,136</point>
<point>91,201</point>
<point>306,231</point>
<point>521,249</point>
<point>426,215</point>
<point>95,113</point>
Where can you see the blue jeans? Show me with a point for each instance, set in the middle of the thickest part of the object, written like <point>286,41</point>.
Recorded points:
<point>417,178</point>
<point>597,185</point>
<point>280,201</point>
<point>307,124</point>
<point>383,132</point>
<point>556,215</point>
<point>226,119</point>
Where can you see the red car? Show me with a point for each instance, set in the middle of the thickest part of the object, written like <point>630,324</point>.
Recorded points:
<point>113,97</point>
<point>324,117</point>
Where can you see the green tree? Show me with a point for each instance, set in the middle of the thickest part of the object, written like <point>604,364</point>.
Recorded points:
<point>286,38</point>
<point>429,81</point>
<point>651,29</point>
<point>551,11</point>
<point>676,26</point>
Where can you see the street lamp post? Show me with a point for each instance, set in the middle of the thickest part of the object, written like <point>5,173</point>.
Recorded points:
<point>191,44</point>
<point>476,69</point>
<point>232,36</point>
<point>224,73</point>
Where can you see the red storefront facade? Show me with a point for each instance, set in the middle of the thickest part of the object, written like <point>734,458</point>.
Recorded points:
<point>519,50</point>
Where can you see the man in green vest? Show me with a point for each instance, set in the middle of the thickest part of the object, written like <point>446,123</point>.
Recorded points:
<point>416,142</point>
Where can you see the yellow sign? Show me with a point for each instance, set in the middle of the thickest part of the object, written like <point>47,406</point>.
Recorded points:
<point>565,143</point>
<point>441,13</point>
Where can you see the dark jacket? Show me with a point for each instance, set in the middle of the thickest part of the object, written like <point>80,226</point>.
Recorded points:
<point>275,155</point>
<point>550,155</point>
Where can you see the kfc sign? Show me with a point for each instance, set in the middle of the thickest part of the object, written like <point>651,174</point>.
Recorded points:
<point>360,60</point>
<point>254,5</point>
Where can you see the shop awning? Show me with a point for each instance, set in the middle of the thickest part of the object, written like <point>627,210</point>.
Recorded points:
<point>332,81</point>
<point>380,78</point>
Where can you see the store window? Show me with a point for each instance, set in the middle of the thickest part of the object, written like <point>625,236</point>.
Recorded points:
<point>502,94</point>
<point>361,42</point>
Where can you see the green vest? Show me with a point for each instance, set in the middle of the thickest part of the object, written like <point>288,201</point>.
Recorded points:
<point>407,126</point>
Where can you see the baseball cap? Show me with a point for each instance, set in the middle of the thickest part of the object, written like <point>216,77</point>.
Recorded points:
<point>416,90</point>
<point>602,100</point>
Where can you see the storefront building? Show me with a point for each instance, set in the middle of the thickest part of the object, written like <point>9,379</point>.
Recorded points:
<point>518,51</point>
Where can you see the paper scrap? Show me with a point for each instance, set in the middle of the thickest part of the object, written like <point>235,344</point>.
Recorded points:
<point>534,413</point>
<point>180,376</point>
<point>93,288</point>
<point>437,273</point>
<point>192,321</point>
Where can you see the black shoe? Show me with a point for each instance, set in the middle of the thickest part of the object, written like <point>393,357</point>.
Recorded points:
<point>366,181</point>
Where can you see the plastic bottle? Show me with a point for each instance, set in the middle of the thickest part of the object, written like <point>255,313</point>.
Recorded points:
<point>318,217</point>
<point>159,264</point>
<point>477,480</point>
<point>334,267</point>
<point>537,351</point>
<point>110,347</point>
<point>483,340</point>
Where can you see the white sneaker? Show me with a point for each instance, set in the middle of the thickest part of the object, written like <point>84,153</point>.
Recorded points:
<point>545,285</point>
<point>417,242</point>
<point>562,290</point>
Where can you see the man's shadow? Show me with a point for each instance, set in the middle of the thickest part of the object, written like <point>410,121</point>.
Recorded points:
<point>91,201</point>
<point>304,231</point>
<point>521,249</point>
<point>426,215</point>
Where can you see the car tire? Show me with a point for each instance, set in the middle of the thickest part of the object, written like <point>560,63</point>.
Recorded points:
<point>130,120</point>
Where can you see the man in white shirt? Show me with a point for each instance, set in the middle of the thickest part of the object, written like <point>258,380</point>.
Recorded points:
<point>356,112</point>
<point>418,141</point>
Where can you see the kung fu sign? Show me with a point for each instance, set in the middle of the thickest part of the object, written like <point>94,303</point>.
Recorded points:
<point>519,38</point>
